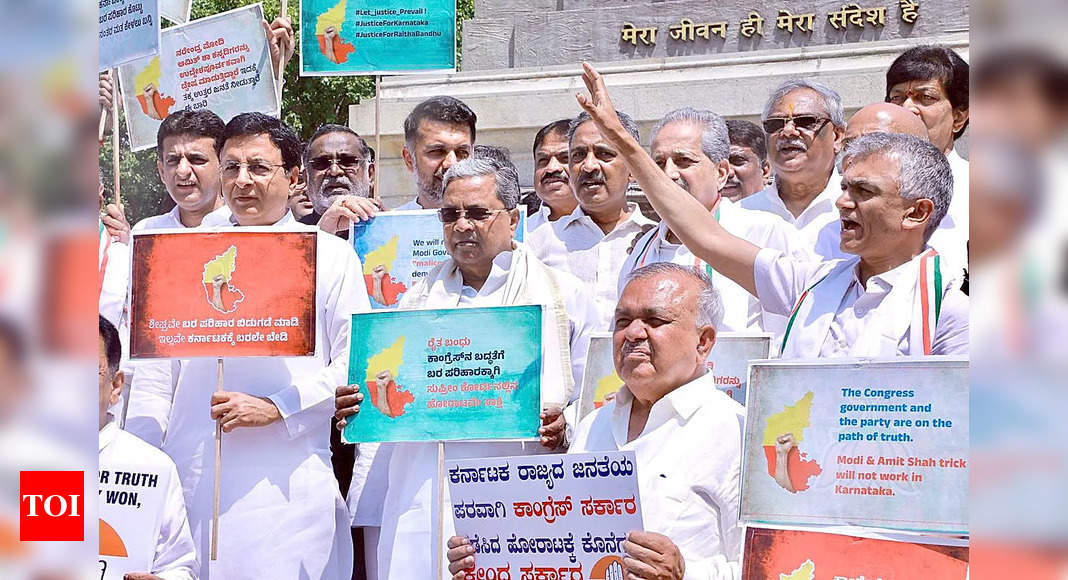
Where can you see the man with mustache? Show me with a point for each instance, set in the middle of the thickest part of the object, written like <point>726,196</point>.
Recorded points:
<point>691,147</point>
<point>593,241</point>
<point>804,122</point>
<point>888,299</point>
<point>685,433</point>
<point>340,174</point>
<point>750,170</point>
<point>437,133</point>
<point>486,267</point>
<point>550,175</point>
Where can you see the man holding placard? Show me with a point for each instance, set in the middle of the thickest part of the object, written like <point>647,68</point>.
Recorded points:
<point>486,267</point>
<point>664,327</point>
<point>892,299</point>
<point>281,513</point>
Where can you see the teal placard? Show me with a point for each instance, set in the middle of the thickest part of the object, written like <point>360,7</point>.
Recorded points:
<point>447,374</point>
<point>354,37</point>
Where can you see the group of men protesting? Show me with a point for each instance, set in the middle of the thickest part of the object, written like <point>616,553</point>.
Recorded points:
<point>856,248</point>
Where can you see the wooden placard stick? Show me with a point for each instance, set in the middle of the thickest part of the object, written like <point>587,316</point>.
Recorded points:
<point>218,471</point>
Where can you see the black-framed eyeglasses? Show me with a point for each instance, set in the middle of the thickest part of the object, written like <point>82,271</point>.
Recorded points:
<point>451,215</point>
<point>345,162</point>
<point>808,123</point>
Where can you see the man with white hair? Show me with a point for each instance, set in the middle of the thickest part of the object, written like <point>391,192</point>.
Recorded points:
<point>889,299</point>
<point>804,122</point>
<point>486,267</point>
<point>692,147</point>
<point>685,433</point>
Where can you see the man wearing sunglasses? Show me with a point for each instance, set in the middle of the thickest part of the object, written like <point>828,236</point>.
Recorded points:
<point>281,514</point>
<point>486,267</point>
<point>804,122</point>
<point>340,174</point>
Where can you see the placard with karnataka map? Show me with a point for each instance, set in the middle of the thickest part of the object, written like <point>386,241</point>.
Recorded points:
<point>867,443</point>
<point>223,293</point>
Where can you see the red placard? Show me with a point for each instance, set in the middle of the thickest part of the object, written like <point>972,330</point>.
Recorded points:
<point>227,293</point>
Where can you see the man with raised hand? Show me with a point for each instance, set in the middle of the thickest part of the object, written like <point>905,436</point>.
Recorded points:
<point>889,298</point>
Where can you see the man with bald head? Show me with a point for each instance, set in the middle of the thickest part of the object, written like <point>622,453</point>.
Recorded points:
<point>883,118</point>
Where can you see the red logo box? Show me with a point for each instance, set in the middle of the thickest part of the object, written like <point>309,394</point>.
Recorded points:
<point>51,506</point>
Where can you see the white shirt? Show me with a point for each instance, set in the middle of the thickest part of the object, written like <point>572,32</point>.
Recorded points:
<point>951,237</point>
<point>414,204</point>
<point>741,310</point>
<point>281,515</point>
<point>409,522</point>
<point>818,226</point>
<point>172,219</point>
<point>688,459</point>
<point>175,557</point>
<point>575,243</point>
<point>538,218</point>
<point>862,316</point>
<point>115,283</point>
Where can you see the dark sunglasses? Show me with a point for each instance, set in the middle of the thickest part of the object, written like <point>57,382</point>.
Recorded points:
<point>808,123</point>
<point>343,161</point>
<point>451,215</point>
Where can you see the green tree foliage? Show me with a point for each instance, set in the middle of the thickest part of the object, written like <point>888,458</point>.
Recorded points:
<point>307,103</point>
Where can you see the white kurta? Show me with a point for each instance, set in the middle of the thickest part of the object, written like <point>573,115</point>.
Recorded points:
<point>281,513</point>
<point>576,244</point>
<point>818,226</point>
<point>175,557</point>
<point>414,204</point>
<point>409,521</point>
<point>741,310</point>
<point>951,237</point>
<point>840,317</point>
<point>688,461</point>
<point>151,385</point>
<point>538,218</point>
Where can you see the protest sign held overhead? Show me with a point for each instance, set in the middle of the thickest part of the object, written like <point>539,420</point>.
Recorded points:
<point>450,374</point>
<point>358,37</point>
<point>803,555</point>
<point>546,516</point>
<point>220,294</point>
<point>221,63</point>
<point>131,501</point>
<point>873,443</point>
<point>129,30</point>
<point>399,248</point>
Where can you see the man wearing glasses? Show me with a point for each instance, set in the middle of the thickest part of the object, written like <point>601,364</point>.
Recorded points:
<point>804,123</point>
<point>281,514</point>
<point>340,174</point>
<point>486,267</point>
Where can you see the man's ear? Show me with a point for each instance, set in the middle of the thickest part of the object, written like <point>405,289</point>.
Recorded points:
<point>116,387</point>
<point>839,134</point>
<point>706,341</point>
<point>294,178</point>
<point>409,162</point>
<point>960,117</point>
<point>765,170</point>
<point>723,173</point>
<point>919,215</point>
<point>513,215</point>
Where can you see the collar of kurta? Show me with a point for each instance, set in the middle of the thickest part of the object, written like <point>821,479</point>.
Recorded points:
<point>286,219</point>
<point>635,215</point>
<point>822,202</point>
<point>684,400</point>
<point>108,434</point>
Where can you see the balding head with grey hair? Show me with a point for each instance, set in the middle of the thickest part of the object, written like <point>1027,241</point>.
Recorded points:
<point>505,176</point>
<point>832,101</point>
<point>715,142</point>
<point>924,171</point>
<point>709,303</point>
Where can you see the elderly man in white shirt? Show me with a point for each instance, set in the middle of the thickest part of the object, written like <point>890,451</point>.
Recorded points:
<point>889,299</point>
<point>551,182</point>
<point>175,557</point>
<point>692,148</point>
<point>486,267</point>
<point>804,122</point>
<point>593,241</point>
<point>686,434</point>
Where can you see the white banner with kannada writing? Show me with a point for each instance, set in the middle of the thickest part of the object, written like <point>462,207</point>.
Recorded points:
<point>549,516</point>
<point>858,442</point>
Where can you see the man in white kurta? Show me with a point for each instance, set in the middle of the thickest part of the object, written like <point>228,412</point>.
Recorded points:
<point>437,133</point>
<point>806,121</point>
<point>685,433</point>
<point>891,299</point>
<point>593,241</point>
<point>692,147</point>
<point>551,183</point>
<point>174,557</point>
<point>281,515</point>
<point>486,268</point>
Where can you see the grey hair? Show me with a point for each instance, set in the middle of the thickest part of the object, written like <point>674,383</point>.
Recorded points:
<point>925,173</point>
<point>709,303</point>
<point>506,177</point>
<point>628,122</point>
<point>832,101</point>
<point>715,143</point>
